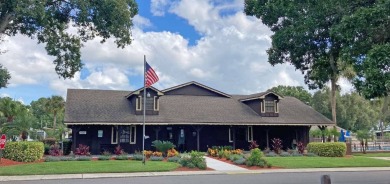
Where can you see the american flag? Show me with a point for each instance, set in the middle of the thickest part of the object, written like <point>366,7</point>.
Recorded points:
<point>150,76</point>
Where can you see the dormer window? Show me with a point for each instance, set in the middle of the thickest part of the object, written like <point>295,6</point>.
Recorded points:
<point>269,106</point>
<point>138,103</point>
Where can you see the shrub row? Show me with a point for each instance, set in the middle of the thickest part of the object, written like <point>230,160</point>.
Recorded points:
<point>328,149</point>
<point>24,151</point>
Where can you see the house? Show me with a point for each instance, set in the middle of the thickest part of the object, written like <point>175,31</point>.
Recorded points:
<point>193,116</point>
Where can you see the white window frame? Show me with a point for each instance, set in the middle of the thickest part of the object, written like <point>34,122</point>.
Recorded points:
<point>156,104</point>
<point>262,106</point>
<point>250,133</point>
<point>230,135</point>
<point>112,135</point>
<point>276,106</point>
<point>138,102</point>
<point>131,135</point>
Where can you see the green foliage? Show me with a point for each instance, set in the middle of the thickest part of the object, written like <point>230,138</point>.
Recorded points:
<point>122,157</point>
<point>329,149</point>
<point>4,76</point>
<point>48,22</point>
<point>285,154</point>
<point>84,158</point>
<point>173,159</point>
<point>311,155</point>
<point>163,146</point>
<point>295,91</point>
<point>52,159</point>
<point>24,151</point>
<point>194,159</point>
<point>67,159</point>
<point>234,157</point>
<point>154,158</point>
<point>271,154</point>
<point>240,161</point>
<point>256,158</point>
<point>137,157</point>
<point>67,147</point>
<point>104,157</point>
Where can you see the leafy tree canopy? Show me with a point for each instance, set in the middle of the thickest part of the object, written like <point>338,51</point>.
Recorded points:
<point>295,91</point>
<point>4,76</point>
<point>48,21</point>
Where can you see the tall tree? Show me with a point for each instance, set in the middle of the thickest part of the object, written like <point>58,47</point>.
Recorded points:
<point>295,91</point>
<point>48,21</point>
<point>4,76</point>
<point>55,105</point>
<point>303,37</point>
<point>11,108</point>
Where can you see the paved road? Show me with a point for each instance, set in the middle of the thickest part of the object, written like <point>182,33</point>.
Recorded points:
<point>369,177</point>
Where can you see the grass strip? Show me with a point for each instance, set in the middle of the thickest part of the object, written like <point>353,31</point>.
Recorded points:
<point>78,167</point>
<point>326,162</point>
<point>387,154</point>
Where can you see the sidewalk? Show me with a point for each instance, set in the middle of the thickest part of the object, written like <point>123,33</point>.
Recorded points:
<point>222,166</point>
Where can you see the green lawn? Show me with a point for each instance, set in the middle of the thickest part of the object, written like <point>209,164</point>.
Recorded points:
<point>373,154</point>
<point>326,162</point>
<point>72,167</point>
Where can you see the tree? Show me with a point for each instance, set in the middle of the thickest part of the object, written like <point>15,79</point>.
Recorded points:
<point>39,109</point>
<point>295,91</point>
<point>11,108</point>
<point>20,127</point>
<point>302,37</point>
<point>49,22</point>
<point>4,76</point>
<point>54,105</point>
<point>366,37</point>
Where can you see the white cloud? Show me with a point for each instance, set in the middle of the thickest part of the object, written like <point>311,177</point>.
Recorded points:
<point>157,7</point>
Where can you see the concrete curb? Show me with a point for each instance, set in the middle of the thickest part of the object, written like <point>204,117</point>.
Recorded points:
<point>185,173</point>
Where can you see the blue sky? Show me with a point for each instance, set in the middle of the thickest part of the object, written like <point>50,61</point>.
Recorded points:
<point>208,41</point>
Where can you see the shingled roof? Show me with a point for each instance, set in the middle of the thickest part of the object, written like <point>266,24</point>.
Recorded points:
<point>86,106</point>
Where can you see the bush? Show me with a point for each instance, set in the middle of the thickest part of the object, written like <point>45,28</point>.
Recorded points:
<point>240,161</point>
<point>301,147</point>
<point>271,154</point>
<point>55,150</point>
<point>147,153</point>
<point>52,159</point>
<point>156,158</point>
<point>24,151</point>
<point>118,150</point>
<point>47,149</point>
<point>83,158</point>
<point>172,153</point>
<point>194,159</point>
<point>157,154</point>
<point>285,154</point>
<point>122,157</point>
<point>137,157</point>
<point>104,157</point>
<point>253,145</point>
<point>255,159</point>
<point>235,157</point>
<point>296,154</point>
<point>277,145</point>
<point>163,146</point>
<point>67,159</point>
<point>328,149</point>
<point>67,147</point>
<point>173,159</point>
<point>82,150</point>
<point>311,155</point>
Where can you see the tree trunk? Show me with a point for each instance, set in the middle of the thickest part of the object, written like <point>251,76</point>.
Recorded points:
<point>55,120</point>
<point>4,21</point>
<point>333,98</point>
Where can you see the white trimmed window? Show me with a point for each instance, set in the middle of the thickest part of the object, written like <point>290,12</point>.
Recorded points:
<point>250,134</point>
<point>133,134</point>
<point>230,135</point>
<point>114,135</point>
<point>156,104</point>
<point>138,103</point>
<point>269,106</point>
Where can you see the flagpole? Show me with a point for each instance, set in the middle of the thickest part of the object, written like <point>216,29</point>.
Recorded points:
<point>143,125</point>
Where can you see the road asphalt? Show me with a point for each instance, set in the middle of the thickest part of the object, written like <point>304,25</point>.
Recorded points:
<point>219,167</point>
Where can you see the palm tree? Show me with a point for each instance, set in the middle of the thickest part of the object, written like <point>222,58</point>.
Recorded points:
<point>54,105</point>
<point>11,108</point>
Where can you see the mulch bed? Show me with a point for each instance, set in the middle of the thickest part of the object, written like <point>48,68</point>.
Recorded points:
<point>6,162</point>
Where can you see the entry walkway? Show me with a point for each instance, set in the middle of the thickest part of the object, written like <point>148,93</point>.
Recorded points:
<point>222,166</point>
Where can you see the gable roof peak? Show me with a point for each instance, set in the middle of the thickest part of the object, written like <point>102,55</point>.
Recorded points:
<point>138,91</point>
<point>260,96</point>
<point>197,84</point>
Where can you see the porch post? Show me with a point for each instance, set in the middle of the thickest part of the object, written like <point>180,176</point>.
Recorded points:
<point>197,128</point>
<point>266,133</point>
<point>234,137</point>
<point>75,130</point>
<point>157,130</point>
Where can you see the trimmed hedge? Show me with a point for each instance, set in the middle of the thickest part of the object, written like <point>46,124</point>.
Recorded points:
<point>328,149</point>
<point>24,151</point>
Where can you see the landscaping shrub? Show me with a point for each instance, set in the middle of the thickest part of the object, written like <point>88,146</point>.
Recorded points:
<point>311,155</point>
<point>67,159</point>
<point>147,153</point>
<point>156,158</point>
<point>285,154</point>
<point>235,157</point>
<point>301,147</point>
<point>157,154</point>
<point>137,157</point>
<point>253,145</point>
<point>163,146</point>
<point>240,161</point>
<point>328,149</point>
<point>83,158</point>
<point>49,141</point>
<point>24,151</point>
<point>173,159</point>
<point>82,150</point>
<point>194,159</point>
<point>106,153</point>
<point>55,150</point>
<point>52,159</point>
<point>172,153</point>
<point>104,157</point>
<point>277,145</point>
<point>122,157</point>
<point>271,154</point>
<point>255,159</point>
<point>236,151</point>
<point>47,149</point>
<point>296,154</point>
<point>118,150</point>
